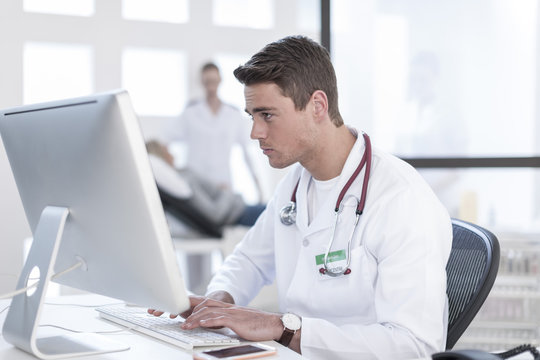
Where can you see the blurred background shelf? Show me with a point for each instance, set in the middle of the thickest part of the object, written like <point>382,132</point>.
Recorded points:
<point>511,314</point>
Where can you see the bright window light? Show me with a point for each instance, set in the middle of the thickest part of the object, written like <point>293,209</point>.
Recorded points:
<point>230,90</point>
<point>308,15</point>
<point>390,73</point>
<point>54,71</point>
<point>61,7</point>
<point>172,11</point>
<point>244,13</point>
<point>156,80</point>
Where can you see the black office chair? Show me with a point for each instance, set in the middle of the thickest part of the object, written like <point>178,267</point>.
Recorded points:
<point>471,272</point>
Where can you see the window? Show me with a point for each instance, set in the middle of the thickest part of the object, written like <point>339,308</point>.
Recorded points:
<point>244,13</point>
<point>172,11</point>
<point>54,71</point>
<point>62,7</point>
<point>156,80</point>
<point>230,90</point>
<point>418,96</point>
<point>390,71</point>
<point>308,15</point>
<point>413,62</point>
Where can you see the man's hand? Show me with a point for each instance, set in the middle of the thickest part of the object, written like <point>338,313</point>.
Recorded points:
<point>218,310</point>
<point>222,296</point>
<point>250,324</point>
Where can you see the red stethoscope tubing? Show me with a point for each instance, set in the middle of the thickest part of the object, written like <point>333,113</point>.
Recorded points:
<point>289,211</point>
<point>366,161</point>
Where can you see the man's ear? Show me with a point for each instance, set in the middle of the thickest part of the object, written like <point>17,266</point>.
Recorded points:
<point>320,104</point>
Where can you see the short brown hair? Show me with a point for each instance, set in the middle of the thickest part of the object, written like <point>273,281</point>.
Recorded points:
<point>298,66</point>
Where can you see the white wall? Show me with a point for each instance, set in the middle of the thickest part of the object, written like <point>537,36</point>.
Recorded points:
<point>108,34</point>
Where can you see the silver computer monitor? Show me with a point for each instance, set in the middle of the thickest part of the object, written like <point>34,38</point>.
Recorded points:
<point>86,157</point>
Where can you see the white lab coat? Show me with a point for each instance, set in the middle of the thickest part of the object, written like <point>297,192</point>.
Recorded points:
<point>393,304</point>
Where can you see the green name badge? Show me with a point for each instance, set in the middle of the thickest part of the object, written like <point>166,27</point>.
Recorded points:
<point>337,255</point>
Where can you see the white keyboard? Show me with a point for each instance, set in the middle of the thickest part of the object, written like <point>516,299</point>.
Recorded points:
<point>164,328</point>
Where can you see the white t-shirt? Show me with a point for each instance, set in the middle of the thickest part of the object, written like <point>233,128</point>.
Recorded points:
<point>318,191</point>
<point>209,138</point>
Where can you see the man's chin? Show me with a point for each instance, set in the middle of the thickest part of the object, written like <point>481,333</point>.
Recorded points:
<point>279,164</point>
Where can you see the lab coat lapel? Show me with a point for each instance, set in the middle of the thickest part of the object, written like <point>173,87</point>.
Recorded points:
<point>325,216</point>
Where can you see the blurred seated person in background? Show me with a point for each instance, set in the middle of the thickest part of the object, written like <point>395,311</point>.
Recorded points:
<point>195,201</point>
<point>209,128</point>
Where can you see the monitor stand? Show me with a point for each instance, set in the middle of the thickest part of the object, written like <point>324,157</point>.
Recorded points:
<point>22,320</point>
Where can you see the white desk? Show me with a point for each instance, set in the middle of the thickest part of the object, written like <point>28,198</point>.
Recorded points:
<point>86,319</point>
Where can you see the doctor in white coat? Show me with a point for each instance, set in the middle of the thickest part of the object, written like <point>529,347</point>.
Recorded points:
<point>378,291</point>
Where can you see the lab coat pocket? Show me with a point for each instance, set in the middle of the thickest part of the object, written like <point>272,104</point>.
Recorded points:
<point>352,294</point>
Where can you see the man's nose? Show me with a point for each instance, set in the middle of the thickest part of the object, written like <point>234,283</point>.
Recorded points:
<point>258,129</point>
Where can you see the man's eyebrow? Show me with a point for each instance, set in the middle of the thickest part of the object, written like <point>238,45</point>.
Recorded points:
<point>260,109</point>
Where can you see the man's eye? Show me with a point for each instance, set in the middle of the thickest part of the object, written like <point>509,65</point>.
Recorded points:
<point>266,116</point>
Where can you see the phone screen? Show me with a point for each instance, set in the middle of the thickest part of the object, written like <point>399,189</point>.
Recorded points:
<point>234,351</point>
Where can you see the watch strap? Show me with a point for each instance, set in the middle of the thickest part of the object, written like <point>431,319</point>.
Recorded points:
<point>286,337</point>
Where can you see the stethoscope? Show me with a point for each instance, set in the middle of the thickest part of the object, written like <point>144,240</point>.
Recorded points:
<point>288,212</point>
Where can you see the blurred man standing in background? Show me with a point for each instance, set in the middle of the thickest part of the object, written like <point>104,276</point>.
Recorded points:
<point>209,128</point>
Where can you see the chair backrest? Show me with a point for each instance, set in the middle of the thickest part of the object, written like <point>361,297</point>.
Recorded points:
<point>471,272</point>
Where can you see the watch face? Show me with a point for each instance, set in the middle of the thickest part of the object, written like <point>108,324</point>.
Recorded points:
<point>291,321</point>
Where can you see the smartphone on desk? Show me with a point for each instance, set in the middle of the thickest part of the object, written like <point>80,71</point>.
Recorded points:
<point>239,352</point>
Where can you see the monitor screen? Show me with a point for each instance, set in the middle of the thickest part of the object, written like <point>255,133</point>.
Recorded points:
<point>88,155</point>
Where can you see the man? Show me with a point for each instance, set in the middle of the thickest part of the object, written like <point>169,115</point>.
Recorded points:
<point>210,128</point>
<point>386,297</point>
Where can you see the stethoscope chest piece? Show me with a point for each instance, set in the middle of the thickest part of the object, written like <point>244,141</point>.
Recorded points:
<point>288,214</point>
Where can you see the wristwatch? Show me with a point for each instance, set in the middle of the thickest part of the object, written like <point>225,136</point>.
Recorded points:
<point>291,324</point>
